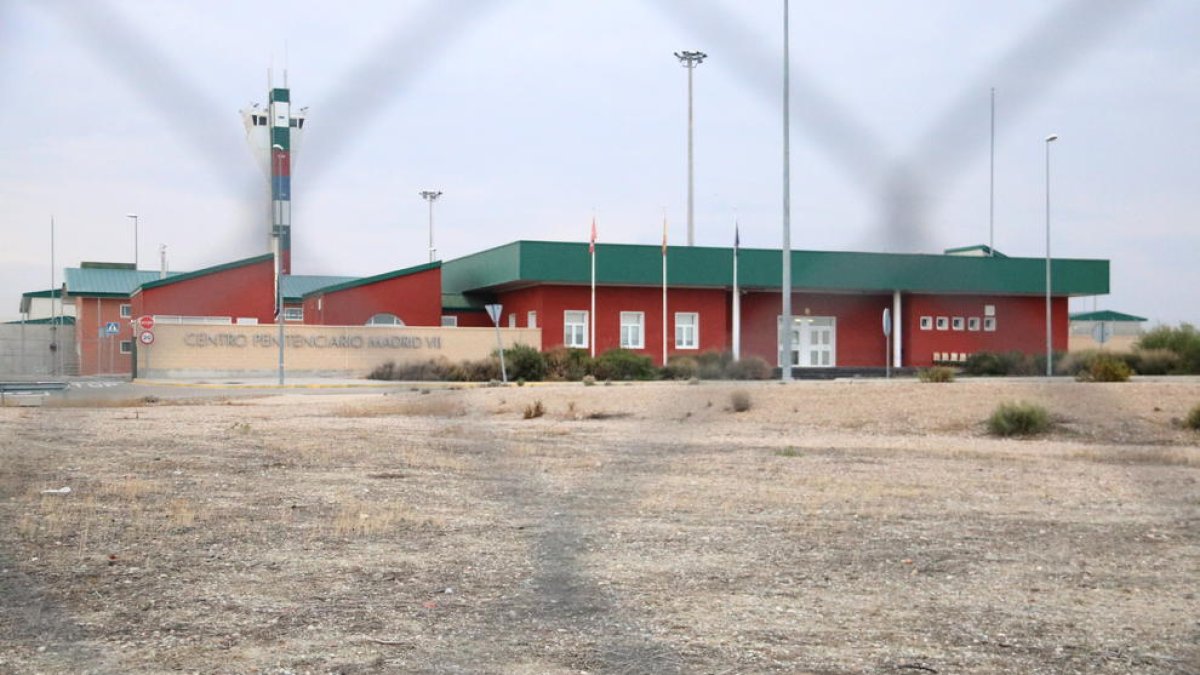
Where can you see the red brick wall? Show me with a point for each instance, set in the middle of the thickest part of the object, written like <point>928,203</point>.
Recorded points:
<point>1020,325</point>
<point>859,334</point>
<point>245,291</point>
<point>415,298</point>
<point>101,356</point>
<point>551,301</point>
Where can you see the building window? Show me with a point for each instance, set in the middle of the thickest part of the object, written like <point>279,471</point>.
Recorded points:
<point>973,323</point>
<point>943,323</point>
<point>989,310</point>
<point>126,311</point>
<point>631,330</point>
<point>449,321</point>
<point>958,323</point>
<point>293,313</point>
<point>126,346</point>
<point>575,328</point>
<point>385,320</point>
<point>927,323</point>
<point>989,323</point>
<point>686,325</point>
<point>531,319</point>
<point>512,320</point>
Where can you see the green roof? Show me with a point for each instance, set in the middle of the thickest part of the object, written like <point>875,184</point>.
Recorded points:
<point>296,286</point>
<point>155,283</point>
<point>57,320</point>
<point>364,281</point>
<point>52,293</point>
<point>1106,315</point>
<point>977,249</point>
<point>460,302</point>
<point>524,263</point>
<point>107,282</point>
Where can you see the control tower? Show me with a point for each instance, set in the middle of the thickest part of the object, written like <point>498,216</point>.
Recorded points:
<point>274,134</point>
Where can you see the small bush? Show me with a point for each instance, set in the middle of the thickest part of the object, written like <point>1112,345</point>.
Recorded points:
<point>563,363</point>
<point>1192,421</point>
<point>525,363</point>
<point>1018,419</point>
<point>533,410</point>
<point>996,363</point>
<point>433,370</point>
<point>589,380</point>
<point>622,364</point>
<point>712,365</point>
<point>936,374</point>
<point>1184,341</point>
<point>680,368</point>
<point>1156,361</point>
<point>740,400</point>
<point>749,368</point>
<point>1105,368</point>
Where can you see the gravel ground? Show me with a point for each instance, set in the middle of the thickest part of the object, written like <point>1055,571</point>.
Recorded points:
<point>834,527</point>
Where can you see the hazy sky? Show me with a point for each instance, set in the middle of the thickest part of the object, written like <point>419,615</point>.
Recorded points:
<point>534,115</point>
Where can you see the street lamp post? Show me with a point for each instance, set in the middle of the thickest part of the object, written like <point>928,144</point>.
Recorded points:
<point>135,238</point>
<point>431,196</point>
<point>690,60</point>
<point>785,373</point>
<point>1049,345</point>
<point>277,221</point>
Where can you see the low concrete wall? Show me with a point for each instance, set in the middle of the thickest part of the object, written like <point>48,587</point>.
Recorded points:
<point>197,350</point>
<point>25,350</point>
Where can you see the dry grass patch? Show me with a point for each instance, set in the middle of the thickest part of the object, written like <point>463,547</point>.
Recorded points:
<point>425,406</point>
<point>1165,456</point>
<point>361,518</point>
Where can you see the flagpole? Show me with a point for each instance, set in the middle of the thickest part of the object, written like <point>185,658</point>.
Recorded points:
<point>737,301</point>
<point>664,299</point>
<point>592,313</point>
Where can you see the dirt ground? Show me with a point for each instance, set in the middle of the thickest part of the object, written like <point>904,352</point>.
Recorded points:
<point>834,527</point>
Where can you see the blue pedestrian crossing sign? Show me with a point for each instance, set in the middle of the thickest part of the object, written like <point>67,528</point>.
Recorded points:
<point>112,328</point>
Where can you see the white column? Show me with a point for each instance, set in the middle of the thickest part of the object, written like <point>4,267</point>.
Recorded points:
<point>897,330</point>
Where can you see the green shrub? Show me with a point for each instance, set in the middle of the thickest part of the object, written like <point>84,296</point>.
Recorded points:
<point>1105,368</point>
<point>1018,419</point>
<point>712,365</point>
<point>1184,341</point>
<point>1192,421</point>
<point>680,368</point>
<point>749,368</point>
<point>525,363</point>
<point>936,374</point>
<point>996,363</point>
<point>589,380</point>
<point>622,364</point>
<point>479,370</point>
<point>434,370</point>
<point>739,400</point>
<point>1156,361</point>
<point>564,363</point>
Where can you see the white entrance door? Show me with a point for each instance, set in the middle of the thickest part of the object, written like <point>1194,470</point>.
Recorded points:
<point>814,342</point>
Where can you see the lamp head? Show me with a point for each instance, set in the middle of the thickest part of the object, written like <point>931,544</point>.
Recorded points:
<point>1051,138</point>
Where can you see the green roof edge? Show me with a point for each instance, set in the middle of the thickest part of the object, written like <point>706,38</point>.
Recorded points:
<point>1106,315</point>
<point>424,267</point>
<point>204,272</point>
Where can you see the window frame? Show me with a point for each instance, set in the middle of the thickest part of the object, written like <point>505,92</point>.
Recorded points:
<point>958,323</point>
<point>694,326</point>
<point>640,325</point>
<point>449,321</point>
<point>927,323</point>
<point>582,324</point>
<point>989,324</point>
<point>126,346</point>
<point>943,323</point>
<point>289,314</point>
<point>531,319</point>
<point>973,324</point>
<point>126,311</point>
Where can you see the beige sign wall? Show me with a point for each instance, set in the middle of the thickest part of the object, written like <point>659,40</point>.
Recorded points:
<point>196,350</point>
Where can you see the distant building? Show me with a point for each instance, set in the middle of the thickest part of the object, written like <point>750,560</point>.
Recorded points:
<point>1105,329</point>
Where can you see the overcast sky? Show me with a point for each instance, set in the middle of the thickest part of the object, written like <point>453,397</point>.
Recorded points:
<point>533,115</point>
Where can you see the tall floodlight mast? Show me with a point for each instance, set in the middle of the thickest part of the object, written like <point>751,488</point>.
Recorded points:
<point>690,60</point>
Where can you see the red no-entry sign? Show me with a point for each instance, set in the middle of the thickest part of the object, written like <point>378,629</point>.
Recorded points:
<point>146,322</point>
